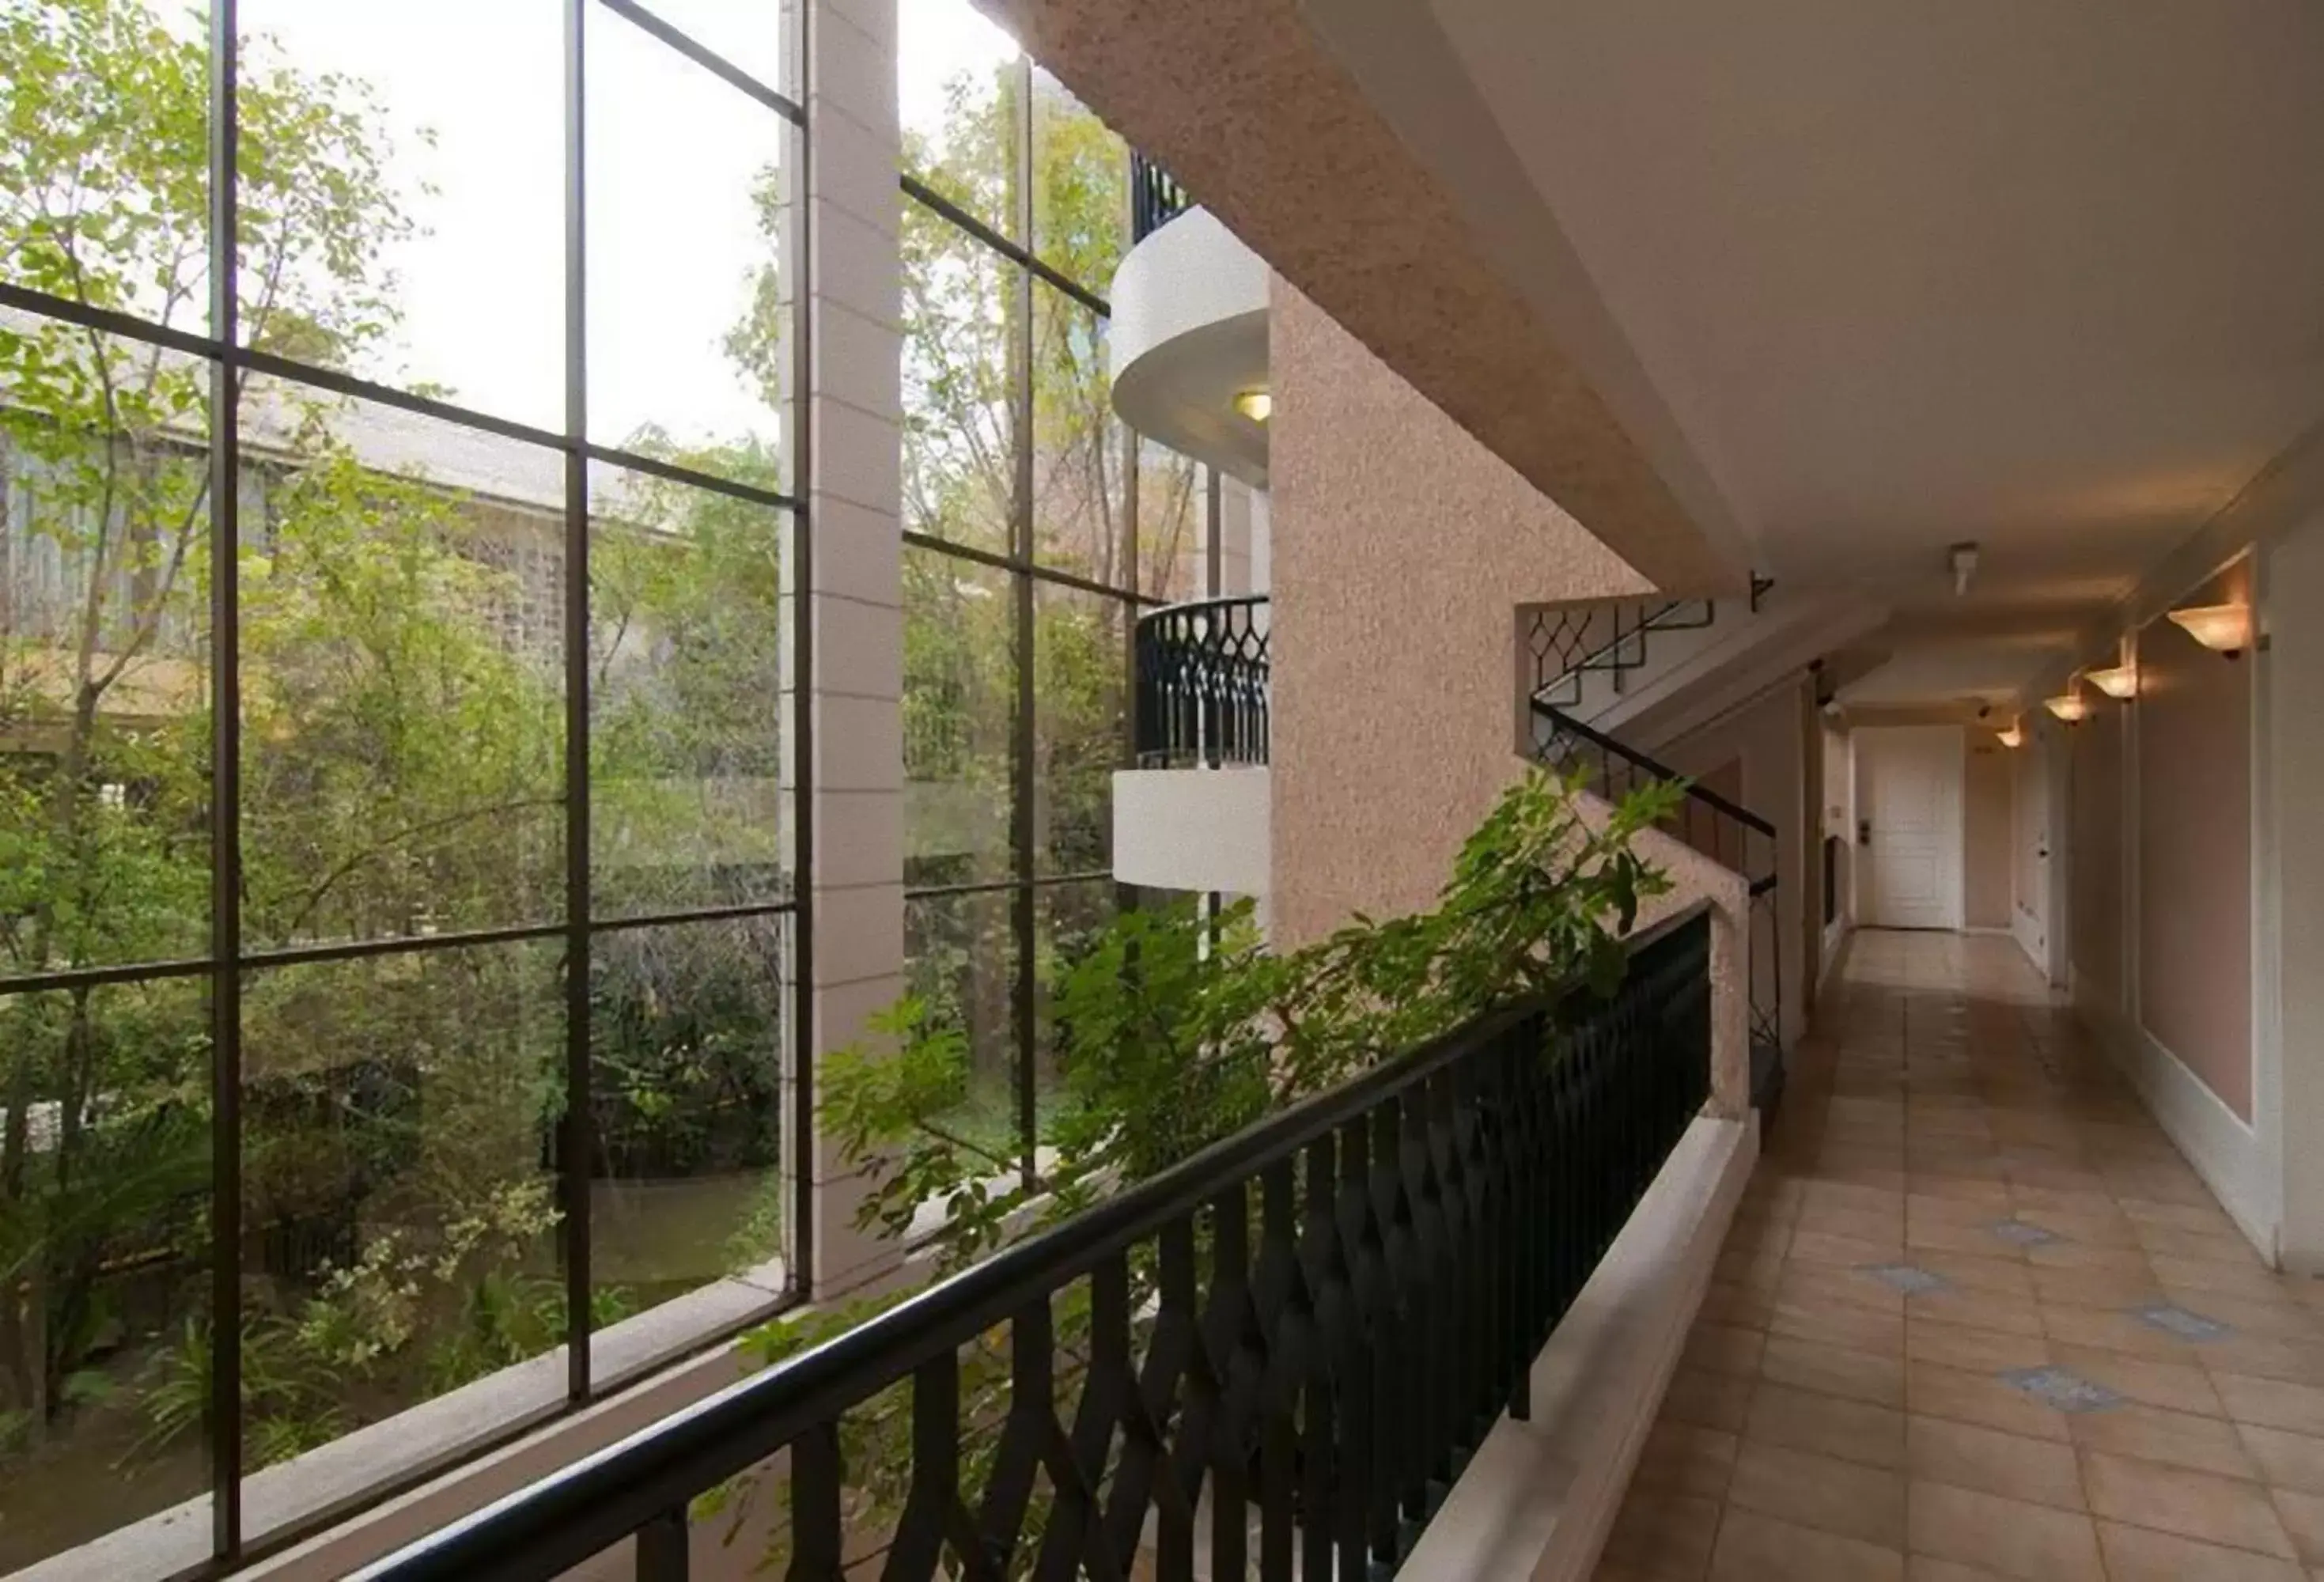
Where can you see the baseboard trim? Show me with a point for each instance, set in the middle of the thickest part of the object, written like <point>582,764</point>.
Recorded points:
<point>2219,1144</point>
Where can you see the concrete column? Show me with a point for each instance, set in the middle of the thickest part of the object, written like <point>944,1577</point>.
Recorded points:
<point>855,492</point>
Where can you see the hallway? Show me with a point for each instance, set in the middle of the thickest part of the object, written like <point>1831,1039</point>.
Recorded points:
<point>1976,1318</point>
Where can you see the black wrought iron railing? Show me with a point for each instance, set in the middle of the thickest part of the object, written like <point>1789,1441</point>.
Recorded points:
<point>1722,830</point>
<point>1570,642</point>
<point>1282,1350</point>
<point>1202,683</point>
<point>1156,198</point>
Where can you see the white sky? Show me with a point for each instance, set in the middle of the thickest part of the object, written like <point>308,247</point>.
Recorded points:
<point>673,153</point>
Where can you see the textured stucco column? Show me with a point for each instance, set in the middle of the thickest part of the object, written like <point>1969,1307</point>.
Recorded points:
<point>855,494</point>
<point>1400,549</point>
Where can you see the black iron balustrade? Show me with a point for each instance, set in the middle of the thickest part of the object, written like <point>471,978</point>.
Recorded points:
<point>1569,641</point>
<point>1284,1348</point>
<point>1156,198</point>
<point>1721,830</point>
<point>1202,683</point>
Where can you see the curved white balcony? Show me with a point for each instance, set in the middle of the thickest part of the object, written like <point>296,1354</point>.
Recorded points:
<point>1187,335</point>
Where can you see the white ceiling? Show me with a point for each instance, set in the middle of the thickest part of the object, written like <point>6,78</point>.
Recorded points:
<point>2047,274</point>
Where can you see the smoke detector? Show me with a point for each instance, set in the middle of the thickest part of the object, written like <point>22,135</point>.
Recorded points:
<point>1963,559</point>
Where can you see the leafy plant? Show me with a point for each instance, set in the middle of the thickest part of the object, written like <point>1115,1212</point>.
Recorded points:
<point>1178,1031</point>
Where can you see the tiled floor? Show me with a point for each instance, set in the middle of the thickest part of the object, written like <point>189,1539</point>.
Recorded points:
<point>1978,1319</point>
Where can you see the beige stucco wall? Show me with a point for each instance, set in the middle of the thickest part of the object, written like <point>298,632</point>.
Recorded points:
<point>1401,550</point>
<point>1770,740</point>
<point>1986,831</point>
<point>2194,851</point>
<point>2095,876</point>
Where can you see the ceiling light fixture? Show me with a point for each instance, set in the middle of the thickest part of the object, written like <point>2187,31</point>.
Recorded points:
<point>2224,628</point>
<point>2121,683</point>
<point>2012,737</point>
<point>1962,557</point>
<point>1255,404</point>
<point>2068,705</point>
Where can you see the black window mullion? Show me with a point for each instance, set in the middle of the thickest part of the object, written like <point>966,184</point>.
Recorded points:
<point>573,1153</point>
<point>1021,536</point>
<point>224,1409</point>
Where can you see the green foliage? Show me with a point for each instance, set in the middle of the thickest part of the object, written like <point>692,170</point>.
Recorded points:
<point>1173,1038</point>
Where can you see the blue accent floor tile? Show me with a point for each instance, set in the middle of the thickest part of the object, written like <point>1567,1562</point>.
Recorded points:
<point>1907,1278</point>
<point>2019,1233</point>
<point>2062,1388</point>
<point>2175,1320</point>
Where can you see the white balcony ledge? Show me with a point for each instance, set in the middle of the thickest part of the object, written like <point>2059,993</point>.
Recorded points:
<point>1199,828</point>
<point>1187,334</point>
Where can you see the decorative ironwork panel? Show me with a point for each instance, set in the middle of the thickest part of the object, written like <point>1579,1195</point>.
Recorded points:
<point>1566,642</point>
<point>1202,683</point>
<point>1156,197</point>
<point>1275,1358</point>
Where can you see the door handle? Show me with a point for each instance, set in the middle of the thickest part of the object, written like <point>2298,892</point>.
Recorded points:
<point>1863,832</point>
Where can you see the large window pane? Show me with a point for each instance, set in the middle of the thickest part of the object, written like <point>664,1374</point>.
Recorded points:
<point>402,725</point>
<point>689,345</point>
<point>963,361</point>
<point>1081,453</point>
<point>1067,921</point>
<point>959,708</point>
<point>402,184</point>
<point>1081,187</point>
<point>104,1265</point>
<point>1078,699</point>
<point>104,651</point>
<point>747,34</point>
<point>399,1214</point>
<point>1172,509</point>
<point>958,80</point>
<point>689,639</point>
<point>104,173</point>
<point>688,1037</point>
<point>960,961</point>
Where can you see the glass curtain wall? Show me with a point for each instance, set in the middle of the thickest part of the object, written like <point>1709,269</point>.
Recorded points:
<point>1028,519</point>
<point>397,607</point>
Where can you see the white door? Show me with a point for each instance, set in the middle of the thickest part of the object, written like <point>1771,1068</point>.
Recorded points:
<point>1908,828</point>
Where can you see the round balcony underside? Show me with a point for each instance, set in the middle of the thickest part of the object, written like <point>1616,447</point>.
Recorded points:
<point>1188,335</point>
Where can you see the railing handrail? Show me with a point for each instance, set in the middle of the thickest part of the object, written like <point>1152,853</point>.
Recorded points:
<point>596,1502</point>
<point>1566,722</point>
<point>1191,606</point>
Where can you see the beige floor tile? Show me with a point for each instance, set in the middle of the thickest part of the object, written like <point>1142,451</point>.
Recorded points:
<point>1834,1370</point>
<point>2302,1516</point>
<point>2297,1362</point>
<point>1978,1351</point>
<point>1849,1431</point>
<point>1664,1535</point>
<point>1924,1208</point>
<point>2174,1439</point>
<point>2011,1537</point>
<point>1848,1287</point>
<point>2098,1288</point>
<point>2289,1460</point>
<point>1723,1348</point>
<point>1976,1272</point>
<point>1709,1400</point>
<point>2137,1554</point>
<point>2074,1254</point>
<point>1960,1235</point>
<point>1928,1569</point>
<point>1939,1450</point>
<point>2109,1330</point>
<point>2193,1504</point>
<point>1826,1321</point>
<point>1933,1389</point>
<point>2270,1318</point>
<point>2167,1241</point>
<point>2175,1386</point>
<point>1845,1252</point>
<point>1726,1302</point>
<point>1752,1548</point>
<point>2271,1403</point>
<point>1679,1458</point>
<point>1978,1309</point>
<point>1883,1225</point>
<point>1846,1497</point>
<point>2232,1279</point>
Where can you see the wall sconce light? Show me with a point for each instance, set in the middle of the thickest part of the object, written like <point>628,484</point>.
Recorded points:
<point>1255,404</point>
<point>2068,705</point>
<point>2121,683</point>
<point>2224,628</point>
<point>2014,736</point>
